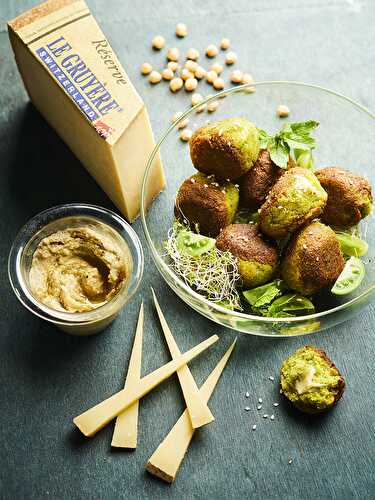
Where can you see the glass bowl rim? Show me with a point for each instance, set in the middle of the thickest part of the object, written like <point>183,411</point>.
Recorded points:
<point>24,295</point>
<point>165,268</point>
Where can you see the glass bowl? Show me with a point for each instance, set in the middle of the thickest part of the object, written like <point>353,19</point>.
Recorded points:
<point>345,137</point>
<point>64,217</point>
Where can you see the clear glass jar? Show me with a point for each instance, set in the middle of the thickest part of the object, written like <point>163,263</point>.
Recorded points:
<point>57,219</point>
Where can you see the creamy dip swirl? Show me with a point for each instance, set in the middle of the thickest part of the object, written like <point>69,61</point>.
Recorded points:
<point>77,269</point>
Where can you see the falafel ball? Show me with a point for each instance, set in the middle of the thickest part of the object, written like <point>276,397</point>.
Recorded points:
<point>256,183</point>
<point>226,149</point>
<point>311,381</point>
<point>257,259</point>
<point>313,259</point>
<point>349,196</point>
<point>203,201</point>
<point>296,198</point>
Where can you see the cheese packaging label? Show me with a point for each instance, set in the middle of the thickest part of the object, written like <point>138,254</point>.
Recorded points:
<point>76,81</point>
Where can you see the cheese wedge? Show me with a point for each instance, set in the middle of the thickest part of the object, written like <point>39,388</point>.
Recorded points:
<point>97,417</point>
<point>168,457</point>
<point>75,80</point>
<point>126,427</point>
<point>198,410</point>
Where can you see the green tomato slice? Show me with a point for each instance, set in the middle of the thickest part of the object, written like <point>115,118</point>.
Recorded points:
<point>352,245</point>
<point>194,244</point>
<point>350,278</point>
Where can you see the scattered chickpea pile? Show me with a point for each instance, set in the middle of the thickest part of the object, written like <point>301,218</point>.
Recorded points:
<point>188,75</point>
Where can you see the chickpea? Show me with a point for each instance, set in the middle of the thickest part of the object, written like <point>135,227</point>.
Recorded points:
<point>191,65</point>
<point>219,84</point>
<point>282,111</point>
<point>200,73</point>
<point>183,123</point>
<point>186,135</point>
<point>176,116</point>
<point>247,78</point>
<point>176,84</point>
<point>185,74</point>
<point>211,76</point>
<point>230,58</point>
<point>217,67</point>
<point>191,84</point>
<point>158,42</point>
<point>212,106</point>
<point>173,54</point>
<point>172,65</point>
<point>154,77</point>
<point>146,68</point>
<point>181,30</point>
<point>196,99</point>
<point>236,76</point>
<point>167,74</point>
<point>192,54</point>
<point>212,50</point>
<point>225,44</point>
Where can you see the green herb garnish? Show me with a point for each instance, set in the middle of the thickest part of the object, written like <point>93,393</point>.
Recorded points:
<point>292,138</point>
<point>270,300</point>
<point>290,304</point>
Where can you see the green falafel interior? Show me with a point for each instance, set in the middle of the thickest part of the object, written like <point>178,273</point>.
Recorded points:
<point>272,257</point>
<point>311,381</point>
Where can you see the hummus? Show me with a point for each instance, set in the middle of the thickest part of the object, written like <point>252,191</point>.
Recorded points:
<point>77,269</point>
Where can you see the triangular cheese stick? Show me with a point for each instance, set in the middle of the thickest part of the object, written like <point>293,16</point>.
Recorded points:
<point>97,417</point>
<point>126,426</point>
<point>167,458</point>
<point>199,412</point>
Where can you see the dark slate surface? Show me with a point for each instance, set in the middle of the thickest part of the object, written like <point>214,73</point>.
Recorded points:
<point>48,377</point>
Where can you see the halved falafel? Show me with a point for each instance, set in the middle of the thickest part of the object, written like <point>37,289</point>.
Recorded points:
<point>226,149</point>
<point>296,198</point>
<point>257,259</point>
<point>203,201</point>
<point>311,381</point>
<point>313,259</point>
<point>349,196</point>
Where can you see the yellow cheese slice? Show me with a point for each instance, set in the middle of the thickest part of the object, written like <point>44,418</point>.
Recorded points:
<point>75,80</point>
<point>126,427</point>
<point>198,410</point>
<point>97,417</point>
<point>167,458</point>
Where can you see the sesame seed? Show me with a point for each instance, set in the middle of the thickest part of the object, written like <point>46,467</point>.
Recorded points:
<point>247,408</point>
<point>192,181</point>
<point>275,404</point>
<point>272,417</point>
<point>271,378</point>
<point>281,391</point>
<point>317,259</point>
<point>206,185</point>
<point>254,427</point>
<point>259,407</point>
<point>265,415</point>
<point>247,395</point>
<point>260,400</point>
